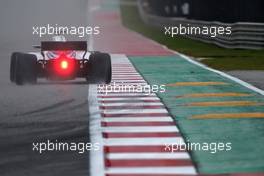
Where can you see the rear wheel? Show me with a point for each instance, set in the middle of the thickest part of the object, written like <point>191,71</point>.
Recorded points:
<point>100,68</point>
<point>13,66</point>
<point>25,69</point>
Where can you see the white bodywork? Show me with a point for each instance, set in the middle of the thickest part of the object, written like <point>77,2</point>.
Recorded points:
<point>54,54</point>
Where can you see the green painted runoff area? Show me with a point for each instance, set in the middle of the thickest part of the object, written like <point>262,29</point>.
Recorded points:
<point>245,134</point>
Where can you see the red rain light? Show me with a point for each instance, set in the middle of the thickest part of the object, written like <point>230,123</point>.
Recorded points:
<point>64,65</point>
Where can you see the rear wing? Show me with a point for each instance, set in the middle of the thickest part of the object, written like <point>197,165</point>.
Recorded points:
<point>64,46</point>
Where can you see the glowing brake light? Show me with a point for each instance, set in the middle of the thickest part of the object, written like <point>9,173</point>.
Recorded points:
<point>64,64</point>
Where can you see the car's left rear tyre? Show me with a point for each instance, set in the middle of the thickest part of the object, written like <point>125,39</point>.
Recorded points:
<point>13,66</point>
<point>25,69</point>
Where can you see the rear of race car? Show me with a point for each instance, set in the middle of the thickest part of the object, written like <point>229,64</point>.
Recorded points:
<point>61,61</point>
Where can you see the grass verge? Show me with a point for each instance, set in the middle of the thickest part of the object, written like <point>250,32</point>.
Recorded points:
<point>213,56</point>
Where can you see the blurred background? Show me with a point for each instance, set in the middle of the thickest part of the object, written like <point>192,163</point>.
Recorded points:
<point>240,54</point>
<point>228,11</point>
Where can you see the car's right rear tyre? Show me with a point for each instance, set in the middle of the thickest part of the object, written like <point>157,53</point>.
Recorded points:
<point>25,69</point>
<point>100,68</point>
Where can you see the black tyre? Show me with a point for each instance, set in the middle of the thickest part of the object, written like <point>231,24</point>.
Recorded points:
<point>13,66</point>
<point>25,69</point>
<point>100,68</point>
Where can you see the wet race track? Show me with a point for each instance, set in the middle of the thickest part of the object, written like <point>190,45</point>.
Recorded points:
<point>134,130</point>
<point>46,111</point>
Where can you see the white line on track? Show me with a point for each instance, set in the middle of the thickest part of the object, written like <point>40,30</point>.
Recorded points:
<point>96,157</point>
<point>124,71</point>
<point>124,94</point>
<point>126,74</point>
<point>130,98</point>
<point>137,129</point>
<point>153,170</point>
<point>134,111</point>
<point>127,77</point>
<point>128,80</point>
<point>138,119</point>
<point>129,84</point>
<point>131,104</point>
<point>109,92</point>
<point>179,155</point>
<point>143,141</point>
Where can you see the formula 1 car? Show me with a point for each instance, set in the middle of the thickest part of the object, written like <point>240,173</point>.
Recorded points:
<point>61,60</point>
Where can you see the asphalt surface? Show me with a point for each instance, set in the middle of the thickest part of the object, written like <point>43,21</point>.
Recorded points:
<point>253,77</point>
<point>46,111</point>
